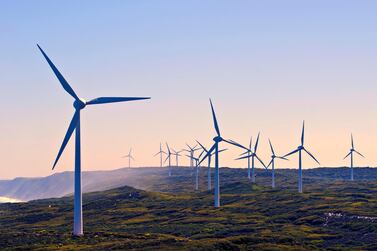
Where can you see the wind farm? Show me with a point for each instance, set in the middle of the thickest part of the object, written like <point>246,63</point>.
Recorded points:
<point>255,125</point>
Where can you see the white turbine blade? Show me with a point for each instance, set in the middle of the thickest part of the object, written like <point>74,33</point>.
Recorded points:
<point>256,144</point>
<point>105,100</point>
<point>202,146</point>
<point>279,157</point>
<point>352,141</point>
<point>244,157</point>
<point>359,153</point>
<point>222,150</point>
<point>347,155</point>
<point>303,133</point>
<point>269,164</point>
<point>294,151</point>
<point>71,128</point>
<point>60,77</point>
<point>232,142</point>
<point>214,119</point>
<point>256,156</point>
<point>272,149</point>
<point>208,153</point>
<point>311,155</point>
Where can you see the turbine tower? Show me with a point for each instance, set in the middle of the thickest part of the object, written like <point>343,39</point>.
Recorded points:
<point>251,154</point>
<point>209,163</point>
<point>299,149</point>
<point>79,104</point>
<point>129,156</point>
<point>197,171</point>
<point>168,157</point>
<point>272,163</point>
<point>352,150</point>
<point>177,154</point>
<point>217,139</point>
<point>160,153</point>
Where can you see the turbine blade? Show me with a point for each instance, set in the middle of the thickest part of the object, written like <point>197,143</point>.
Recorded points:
<point>279,157</point>
<point>359,153</point>
<point>214,119</point>
<point>311,155</point>
<point>294,151</point>
<point>105,100</point>
<point>352,141</point>
<point>256,144</point>
<point>256,156</point>
<point>223,150</point>
<point>303,133</point>
<point>71,128</point>
<point>232,142</point>
<point>204,149</point>
<point>251,142</point>
<point>269,164</point>
<point>347,155</point>
<point>272,149</point>
<point>208,153</point>
<point>60,77</point>
<point>244,157</point>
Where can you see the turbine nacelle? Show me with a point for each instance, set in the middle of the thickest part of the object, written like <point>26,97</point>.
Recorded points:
<point>218,139</point>
<point>79,104</point>
<point>300,148</point>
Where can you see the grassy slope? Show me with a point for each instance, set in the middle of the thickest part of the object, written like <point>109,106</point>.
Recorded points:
<point>252,217</point>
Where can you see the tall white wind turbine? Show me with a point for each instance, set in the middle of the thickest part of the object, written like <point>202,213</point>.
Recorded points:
<point>253,155</point>
<point>160,153</point>
<point>191,151</point>
<point>272,164</point>
<point>299,149</point>
<point>177,154</point>
<point>168,157</point>
<point>129,157</point>
<point>352,150</point>
<point>79,104</point>
<point>217,139</point>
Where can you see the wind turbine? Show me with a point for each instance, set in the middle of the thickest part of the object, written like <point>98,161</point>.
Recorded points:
<point>251,154</point>
<point>272,163</point>
<point>197,171</point>
<point>191,151</point>
<point>299,149</point>
<point>209,163</point>
<point>177,154</point>
<point>129,156</point>
<point>168,157</point>
<point>217,139</point>
<point>352,150</point>
<point>78,104</point>
<point>160,153</point>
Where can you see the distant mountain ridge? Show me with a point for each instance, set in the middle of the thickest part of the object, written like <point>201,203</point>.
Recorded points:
<point>150,178</point>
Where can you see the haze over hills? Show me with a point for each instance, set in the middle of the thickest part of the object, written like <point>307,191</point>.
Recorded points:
<point>152,179</point>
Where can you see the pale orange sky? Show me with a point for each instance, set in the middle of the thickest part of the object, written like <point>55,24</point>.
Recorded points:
<point>265,68</point>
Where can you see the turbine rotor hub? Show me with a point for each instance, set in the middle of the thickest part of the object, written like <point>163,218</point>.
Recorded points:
<point>300,147</point>
<point>217,139</point>
<point>79,104</point>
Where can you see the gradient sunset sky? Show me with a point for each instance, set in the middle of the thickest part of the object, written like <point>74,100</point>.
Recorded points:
<point>267,65</point>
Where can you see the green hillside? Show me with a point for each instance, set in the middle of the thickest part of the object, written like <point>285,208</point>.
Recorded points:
<point>330,214</point>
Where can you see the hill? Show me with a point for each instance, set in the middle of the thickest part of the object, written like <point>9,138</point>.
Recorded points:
<point>331,214</point>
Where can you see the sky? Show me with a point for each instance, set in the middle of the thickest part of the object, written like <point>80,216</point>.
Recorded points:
<point>267,65</point>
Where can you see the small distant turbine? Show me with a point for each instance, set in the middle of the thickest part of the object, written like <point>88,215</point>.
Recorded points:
<point>352,150</point>
<point>215,148</point>
<point>272,164</point>
<point>251,154</point>
<point>168,157</point>
<point>197,171</point>
<point>129,156</point>
<point>191,151</point>
<point>79,104</point>
<point>299,149</point>
<point>160,153</point>
<point>177,154</point>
